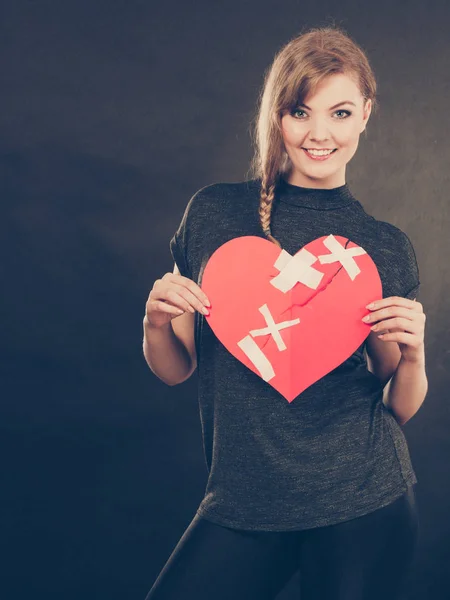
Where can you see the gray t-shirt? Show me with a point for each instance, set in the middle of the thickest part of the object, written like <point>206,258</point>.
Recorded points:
<point>335,452</point>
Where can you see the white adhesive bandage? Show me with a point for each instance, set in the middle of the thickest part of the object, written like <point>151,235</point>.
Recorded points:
<point>295,269</point>
<point>342,255</point>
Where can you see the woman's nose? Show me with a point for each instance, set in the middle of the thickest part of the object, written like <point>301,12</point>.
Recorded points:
<point>318,131</point>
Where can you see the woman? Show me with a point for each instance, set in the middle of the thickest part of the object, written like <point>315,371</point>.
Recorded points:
<point>322,484</point>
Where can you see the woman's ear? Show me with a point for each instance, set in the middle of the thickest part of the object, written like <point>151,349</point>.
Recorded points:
<point>366,115</point>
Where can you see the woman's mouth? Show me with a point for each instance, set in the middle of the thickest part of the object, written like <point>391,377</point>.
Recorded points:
<point>322,155</point>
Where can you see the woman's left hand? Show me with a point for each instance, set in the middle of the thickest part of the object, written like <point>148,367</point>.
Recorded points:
<point>402,321</point>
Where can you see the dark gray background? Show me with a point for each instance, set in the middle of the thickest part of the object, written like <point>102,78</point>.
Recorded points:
<point>112,115</point>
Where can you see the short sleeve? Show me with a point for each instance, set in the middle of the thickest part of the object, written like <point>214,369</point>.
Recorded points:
<point>182,238</point>
<point>403,270</point>
<point>177,246</point>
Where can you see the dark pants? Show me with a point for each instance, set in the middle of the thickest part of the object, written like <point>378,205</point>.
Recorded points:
<point>366,558</point>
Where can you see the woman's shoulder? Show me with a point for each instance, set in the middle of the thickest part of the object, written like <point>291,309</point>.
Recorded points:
<point>392,234</point>
<point>228,187</point>
<point>222,191</point>
<point>214,198</point>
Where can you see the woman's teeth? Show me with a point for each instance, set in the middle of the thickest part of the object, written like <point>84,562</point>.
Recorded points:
<point>319,152</point>
<point>319,155</point>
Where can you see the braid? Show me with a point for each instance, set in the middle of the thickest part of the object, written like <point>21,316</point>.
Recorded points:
<point>265,208</point>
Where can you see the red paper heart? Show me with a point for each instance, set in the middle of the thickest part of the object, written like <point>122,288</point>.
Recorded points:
<point>237,280</point>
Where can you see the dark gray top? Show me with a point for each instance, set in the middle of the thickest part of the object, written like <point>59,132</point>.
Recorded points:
<point>335,452</point>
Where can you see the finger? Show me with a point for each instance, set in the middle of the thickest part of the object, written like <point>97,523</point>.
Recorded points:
<point>185,299</point>
<point>402,337</point>
<point>193,288</point>
<point>163,306</point>
<point>395,301</point>
<point>391,312</point>
<point>396,324</point>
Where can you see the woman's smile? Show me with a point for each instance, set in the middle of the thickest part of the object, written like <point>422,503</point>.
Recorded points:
<point>319,156</point>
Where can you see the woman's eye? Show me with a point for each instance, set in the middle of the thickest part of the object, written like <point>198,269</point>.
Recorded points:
<point>347,112</point>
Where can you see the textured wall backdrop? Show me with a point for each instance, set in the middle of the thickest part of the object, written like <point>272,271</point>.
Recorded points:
<point>112,115</point>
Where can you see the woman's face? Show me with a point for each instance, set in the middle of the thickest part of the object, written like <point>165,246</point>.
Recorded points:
<point>315,124</point>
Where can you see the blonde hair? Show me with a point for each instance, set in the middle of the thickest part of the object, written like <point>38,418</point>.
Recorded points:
<point>296,71</point>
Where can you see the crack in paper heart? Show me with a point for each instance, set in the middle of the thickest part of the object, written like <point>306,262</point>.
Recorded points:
<point>331,328</point>
<point>308,300</point>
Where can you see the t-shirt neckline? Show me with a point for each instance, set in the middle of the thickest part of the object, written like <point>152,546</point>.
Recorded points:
<point>314,198</point>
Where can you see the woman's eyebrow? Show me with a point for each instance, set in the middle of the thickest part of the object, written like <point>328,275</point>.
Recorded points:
<point>331,108</point>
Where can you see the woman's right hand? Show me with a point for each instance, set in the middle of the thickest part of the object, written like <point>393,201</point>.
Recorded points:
<point>172,296</point>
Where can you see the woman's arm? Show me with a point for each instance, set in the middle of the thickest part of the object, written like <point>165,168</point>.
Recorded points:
<point>382,357</point>
<point>399,357</point>
<point>406,390</point>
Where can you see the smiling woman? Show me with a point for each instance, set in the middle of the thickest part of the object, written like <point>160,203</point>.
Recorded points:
<point>324,134</point>
<point>310,78</point>
<point>319,479</point>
